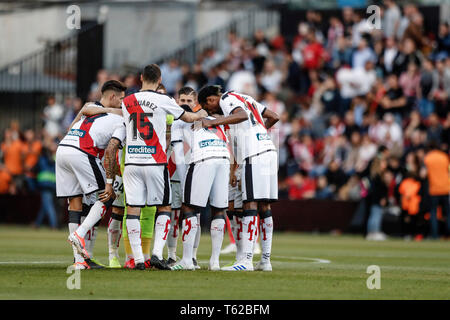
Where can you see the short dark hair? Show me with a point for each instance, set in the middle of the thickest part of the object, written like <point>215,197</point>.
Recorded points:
<point>208,91</point>
<point>187,91</point>
<point>113,85</point>
<point>151,73</point>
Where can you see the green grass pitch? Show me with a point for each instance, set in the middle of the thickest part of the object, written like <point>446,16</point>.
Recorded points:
<point>33,266</point>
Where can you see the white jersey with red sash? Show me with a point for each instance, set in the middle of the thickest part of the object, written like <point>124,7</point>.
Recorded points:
<point>92,134</point>
<point>145,119</point>
<point>250,136</point>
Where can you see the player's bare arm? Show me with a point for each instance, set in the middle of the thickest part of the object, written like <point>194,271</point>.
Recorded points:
<point>237,116</point>
<point>111,168</point>
<point>89,109</point>
<point>194,116</point>
<point>271,118</point>
<point>93,110</point>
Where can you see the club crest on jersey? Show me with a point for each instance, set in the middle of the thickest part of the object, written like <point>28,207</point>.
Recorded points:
<point>262,136</point>
<point>141,149</point>
<point>77,133</point>
<point>212,143</point>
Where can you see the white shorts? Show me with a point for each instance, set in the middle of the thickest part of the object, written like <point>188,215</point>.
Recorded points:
<point>118,190</point>
<point>146,185</point>
<point>177,195</point>
<point>260,178</point>
<point>77,173</point>
<point>207,180</point>
<point>235,195</point>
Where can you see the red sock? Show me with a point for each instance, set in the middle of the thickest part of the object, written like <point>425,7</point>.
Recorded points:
<point>230,233</point>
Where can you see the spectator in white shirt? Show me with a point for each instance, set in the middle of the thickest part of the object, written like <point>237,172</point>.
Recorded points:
<point>363,54</point>
<point>391,19</point>
<point>53,115</point>
<point>171,76</point>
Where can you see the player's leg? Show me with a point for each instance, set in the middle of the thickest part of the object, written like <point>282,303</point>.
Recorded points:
<point>173,237</point>
<point>134,235</point>
<point>217,232</point>
<point>174,223</point>
<point>266,234</point>
<point>115,223</point>
<point>147,226</point>
<point>188,232</point>
<point>256,245</point>
<point>231,247</point>
<point>193,201</point>
<point>129,260</point>
<point>91,175</point>
<point>159,195</point>
<point>230,223</point>
<point>238,214</point>
<point>114,235</point>
<point>198,234</point>
<point>91,235</point>
<point>269,176</point>
<point>248,220</point>
<point>75,211</point>
<point>68,186</point>
<point>135,187</point>
<point>219,203</point>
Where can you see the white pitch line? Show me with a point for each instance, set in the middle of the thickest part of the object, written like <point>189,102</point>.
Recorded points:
<point>32,262</point>
<point>313,260</point>
<point>310,260</point>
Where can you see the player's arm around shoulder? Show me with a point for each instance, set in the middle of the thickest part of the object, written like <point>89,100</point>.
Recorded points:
<point>238,115</point>
<point>111,168</point>
<point>193,116</point>
<point>90,109</point>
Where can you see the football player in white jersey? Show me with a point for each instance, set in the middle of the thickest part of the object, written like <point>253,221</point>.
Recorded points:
<point>206,179</point>
<point>146,176</point>
<point>78,165</point>
<point>257,154</point>
<point>187,99</point>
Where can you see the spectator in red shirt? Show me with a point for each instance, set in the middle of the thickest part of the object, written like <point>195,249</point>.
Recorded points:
<point>313,53</point>
<point>301,186</point>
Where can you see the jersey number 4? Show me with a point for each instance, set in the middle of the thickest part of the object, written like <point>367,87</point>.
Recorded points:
<point>140,123</point>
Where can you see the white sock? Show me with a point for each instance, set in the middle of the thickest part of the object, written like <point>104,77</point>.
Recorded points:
<point>114,233</point>
<point>266,234</point>
<point>238,238</point>
<point>248,234</point>
<point>97,212</point>
<point>188,238</point>
<point>72,227</point>
<point>197,237</point>
<point>87,238</point>
<point>91,243</point>
<point>173,235</point>
<point>162,225</point>
<point>217,228</point>
<point>134,236</point>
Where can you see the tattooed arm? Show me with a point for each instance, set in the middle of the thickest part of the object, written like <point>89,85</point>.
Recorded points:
<point>111,168</point>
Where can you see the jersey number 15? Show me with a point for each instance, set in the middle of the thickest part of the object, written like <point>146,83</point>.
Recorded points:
<point>140,123</point>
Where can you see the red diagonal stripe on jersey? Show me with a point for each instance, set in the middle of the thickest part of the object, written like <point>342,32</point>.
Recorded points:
<point>171,165</point>
<point>86,142</point>
<point>133,107</point>
<point>251,107</point>
<point>219,132</point>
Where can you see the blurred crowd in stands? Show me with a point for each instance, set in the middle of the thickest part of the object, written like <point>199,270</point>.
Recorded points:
<point>364,113</point>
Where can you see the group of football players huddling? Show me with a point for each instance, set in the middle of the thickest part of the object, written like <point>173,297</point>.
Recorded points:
<point>158,162</point>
